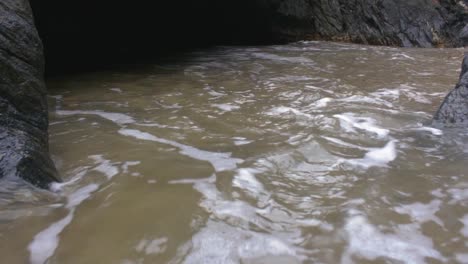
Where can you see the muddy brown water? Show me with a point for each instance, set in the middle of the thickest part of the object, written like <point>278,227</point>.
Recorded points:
<point>311,152</point>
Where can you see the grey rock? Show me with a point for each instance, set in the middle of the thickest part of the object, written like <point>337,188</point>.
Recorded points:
<point>23,106</point>
<point>407,23</point>
<point>454,109</point>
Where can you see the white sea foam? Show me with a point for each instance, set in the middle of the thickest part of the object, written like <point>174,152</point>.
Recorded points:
<point>46,242</point>
<point>239,141</point>
<point>350,122</point>
<point>343,143</point>
<point>221,243</point>
<point>286,110</point>
<point>128,164</point>
<point>434,131</point>
<point>78,174</point>
<point>220,160</point>
<point>399,56</point>
<point>210,179</point>
<point>245,179</point>
<point>105,166</point>
<point>155,246</point>
<point>117,90</point>
<point>413,94</point>
<point>365,99</point>
<point>316,223</point>
<point>462,257</point>
<point>321,103</point>
<point>226,107</point>
<point>387,93</point>
<point>464,230</point>
<point>377,157</point>
<point>458,195</point>
<point>421,213</point>
<point>117,118</point>
<point>214,93</point>
<point>407,246</point>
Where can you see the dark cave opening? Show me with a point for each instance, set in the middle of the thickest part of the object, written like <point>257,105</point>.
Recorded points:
<point>86,34</point>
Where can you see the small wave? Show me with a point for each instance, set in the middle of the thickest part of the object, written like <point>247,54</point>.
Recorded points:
<point>226,107</point>
<point>117,118</point>
<point>46,242</point>
<point>365,240</point>
<point>274,57</point>
<point>220,160</point>
<point>285,110</point>
<point>349,122</point>
<point>377,157</point>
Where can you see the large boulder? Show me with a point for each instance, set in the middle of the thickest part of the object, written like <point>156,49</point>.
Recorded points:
<point>23,107</point>
<point>454,109</point>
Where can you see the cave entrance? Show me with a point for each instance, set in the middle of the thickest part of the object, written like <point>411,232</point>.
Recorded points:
<point>85,34</point>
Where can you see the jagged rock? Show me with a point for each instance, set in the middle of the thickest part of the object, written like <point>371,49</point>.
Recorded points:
<point>407,23</point>
<point>23,107</point>
<point>454,109</point>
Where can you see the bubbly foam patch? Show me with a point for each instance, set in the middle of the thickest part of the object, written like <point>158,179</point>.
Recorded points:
<point>46,242</point>
<point>377,157</point>
<point>239,141</point>
<point>349,122</point>
<point>150,247</point>
<point>105,166</point>
<point>343,143</point>
<point>246,180</point>
<point>464,230</point>
<point>221,243</point>
<point>226,107</point>
<point>287,110</point>
<point>421,213</point>
<point>321,103</point>
<point>366,241</point>
<point>434,131</point>
<point>402,56</point>
<point>117,90</point>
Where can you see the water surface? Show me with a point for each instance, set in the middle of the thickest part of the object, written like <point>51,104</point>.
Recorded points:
<point>311,152</point>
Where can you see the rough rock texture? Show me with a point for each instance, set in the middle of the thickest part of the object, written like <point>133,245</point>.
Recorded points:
<point>23,107</point>
<point>454,109</point>
<point>407,23</point>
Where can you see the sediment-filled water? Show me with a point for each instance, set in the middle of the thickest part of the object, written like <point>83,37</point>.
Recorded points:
<point>311,152</point>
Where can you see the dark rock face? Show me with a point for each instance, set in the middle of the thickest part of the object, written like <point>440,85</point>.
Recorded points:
<point>407,23</point>
<point>23,107</point>
<point>454,109</point>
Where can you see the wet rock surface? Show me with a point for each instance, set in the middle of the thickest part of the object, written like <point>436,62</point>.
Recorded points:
<point>413,23</point>
<point>23,107</point>
<point>454,109</point>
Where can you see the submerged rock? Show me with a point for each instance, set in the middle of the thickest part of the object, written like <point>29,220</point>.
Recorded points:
<point>454,109</point>
<point>23,107</point>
